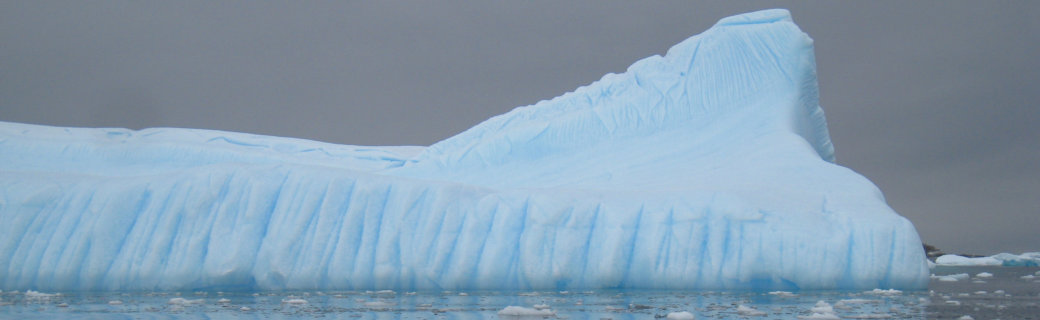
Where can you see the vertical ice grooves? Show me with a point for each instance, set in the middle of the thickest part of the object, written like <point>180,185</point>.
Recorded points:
<point>698,169</point>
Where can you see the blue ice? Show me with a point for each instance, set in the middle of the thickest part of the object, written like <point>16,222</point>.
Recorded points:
<point>707,168</point>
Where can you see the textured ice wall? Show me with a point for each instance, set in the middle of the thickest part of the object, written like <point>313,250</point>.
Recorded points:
<point>709,167</point>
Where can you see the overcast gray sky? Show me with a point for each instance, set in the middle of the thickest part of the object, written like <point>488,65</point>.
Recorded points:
<point>934,101</point>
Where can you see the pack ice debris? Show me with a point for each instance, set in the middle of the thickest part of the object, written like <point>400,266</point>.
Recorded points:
<point>749,311</point>
<point>682,315</point>
<point>710,167</point>
<point>516,311</point>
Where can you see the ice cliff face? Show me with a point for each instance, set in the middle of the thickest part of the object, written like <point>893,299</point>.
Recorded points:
<point>707,168</point>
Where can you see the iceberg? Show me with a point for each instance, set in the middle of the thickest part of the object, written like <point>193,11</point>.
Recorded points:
<point>707,168</point>
<point>1028,259</point>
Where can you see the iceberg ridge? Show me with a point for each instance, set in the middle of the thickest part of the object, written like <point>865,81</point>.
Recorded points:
<point>707,168</point>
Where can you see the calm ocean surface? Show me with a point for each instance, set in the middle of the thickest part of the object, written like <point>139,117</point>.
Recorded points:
<point>1010,293</point>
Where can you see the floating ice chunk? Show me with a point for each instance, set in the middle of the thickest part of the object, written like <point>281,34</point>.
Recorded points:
<point>965,317</point>
<point>951,277</point>
<point>1028,259</point>
<point>953,302</point>
<point>224,301</point>
<point>822,307</point>
<point>541,306</point>
<point>749,311</point>
<point>1028,277</point>
<point>295,301</point>
<point>184,302</point>
<point>115,303</point>
<point>821,311</point>
<point>245,309</point>
<point>885,292</point>
<point>782,293</point>
<point>30,294</point>
<point>984,275</point>
<point>683,315</point>
<point>514,311</point>
<point>955,260</point>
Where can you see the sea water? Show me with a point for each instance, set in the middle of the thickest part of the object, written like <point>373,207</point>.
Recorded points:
<point>977,292</point>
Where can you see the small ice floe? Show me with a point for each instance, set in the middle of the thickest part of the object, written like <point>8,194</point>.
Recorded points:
<point>1028,277</point>
<point>998,292</point>
<point>822,307</point>
<point>952,277</point>
<point>528,294</point>
<point>614,309</point>
<point>978,281</point>
<point>115,303</point>
<point>224,301</point>
<point>36,295</point>
<point>682,315</point>
<point>244,309</point>
<point>184,302</point>
<point>541,306</point>
<point>821,311</point>
<point>749,311</point>
<point>410,293</point>
<point>980,292</point>
<point>516,312</point>
<point>63,305</point>
<point>953,302</point>
<point>1034,273</point>
<point>294,301</point>
<point>984,275</point>
<point>965,317</point>
<point>463,294</point>
<point>782,294</point>
<point>884,292</point>
<point>386,292</point>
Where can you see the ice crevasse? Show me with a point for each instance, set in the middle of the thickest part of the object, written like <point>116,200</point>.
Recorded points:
<point>707,168</point>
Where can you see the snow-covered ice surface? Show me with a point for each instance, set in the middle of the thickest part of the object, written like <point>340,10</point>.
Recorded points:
<point>710,167</point>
